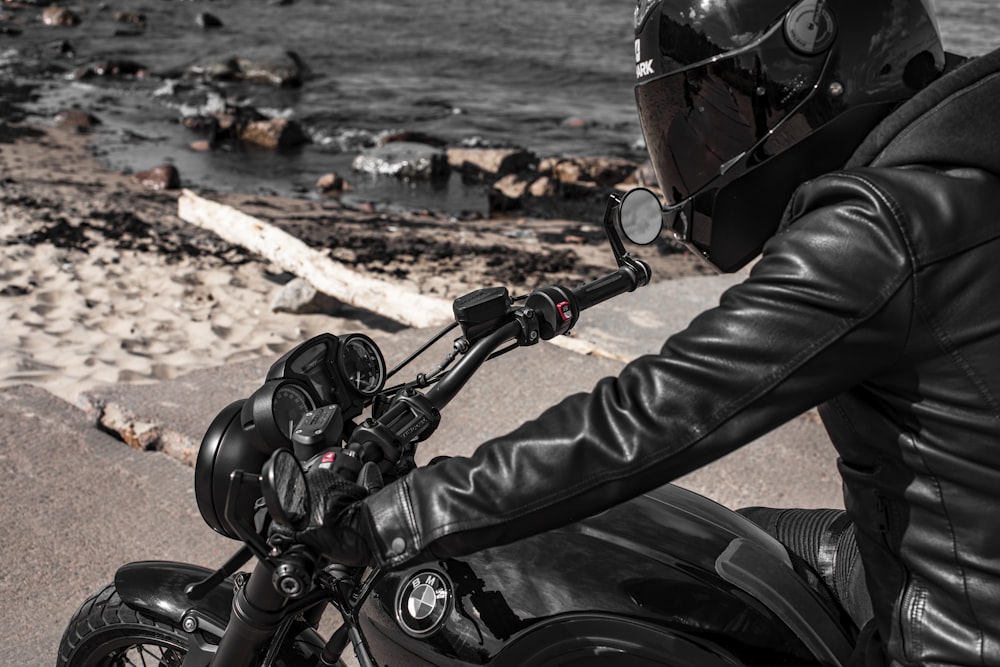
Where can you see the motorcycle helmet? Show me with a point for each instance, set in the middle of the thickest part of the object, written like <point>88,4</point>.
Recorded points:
<point>741,101</point>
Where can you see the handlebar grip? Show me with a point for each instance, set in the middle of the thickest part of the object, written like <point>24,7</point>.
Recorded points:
<point>633,274</point>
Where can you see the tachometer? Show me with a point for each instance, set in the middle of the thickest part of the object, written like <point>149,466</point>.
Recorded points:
<point>362,364</point>
<point>288,405</point>
<point>274,410</point>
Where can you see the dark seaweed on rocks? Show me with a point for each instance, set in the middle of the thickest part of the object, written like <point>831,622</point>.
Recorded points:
<point>123,230</point>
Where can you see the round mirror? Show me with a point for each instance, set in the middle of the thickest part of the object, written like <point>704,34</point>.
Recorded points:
<point>283,485</point>
<point>640,216</point>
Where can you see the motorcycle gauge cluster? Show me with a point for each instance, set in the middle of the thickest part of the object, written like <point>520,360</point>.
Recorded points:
<point>324,370</point>
<point>343,371</point>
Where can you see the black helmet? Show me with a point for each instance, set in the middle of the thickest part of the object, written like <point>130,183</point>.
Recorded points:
<point>741,101</point>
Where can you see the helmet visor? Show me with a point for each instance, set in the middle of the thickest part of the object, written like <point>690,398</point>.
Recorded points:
<point>701,118</point>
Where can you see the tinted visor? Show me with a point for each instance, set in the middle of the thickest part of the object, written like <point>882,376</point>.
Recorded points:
<point>700,118</point>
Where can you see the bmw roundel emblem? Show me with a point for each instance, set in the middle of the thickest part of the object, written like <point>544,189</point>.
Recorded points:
<point>422,603</point>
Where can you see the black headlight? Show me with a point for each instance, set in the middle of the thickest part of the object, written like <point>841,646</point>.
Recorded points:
<point>226,447</point>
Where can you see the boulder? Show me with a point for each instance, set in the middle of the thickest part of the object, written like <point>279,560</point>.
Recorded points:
<point>248,125</point>
<point>271,66</point>
<point>207,21</point>
<point>59,16</point>
<point>111,68</point>
<point>131,18</point>
<point>599,171</point>
<point>403,159</point>
<point>273,133</point>
<point>299,297</point>
<point>331,185</point>
<point>570,188</point>
<point>490,163</point>
<point>76,119</point>
<point>407,135</point>
<point>163,177</point>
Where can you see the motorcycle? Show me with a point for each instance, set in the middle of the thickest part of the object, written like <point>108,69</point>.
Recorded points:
<point>668,578</point>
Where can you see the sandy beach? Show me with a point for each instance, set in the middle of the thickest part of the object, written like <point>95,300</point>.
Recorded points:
<point>102,283</point>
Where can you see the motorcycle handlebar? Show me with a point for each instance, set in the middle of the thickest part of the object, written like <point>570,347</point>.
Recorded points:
<point>555,310</point>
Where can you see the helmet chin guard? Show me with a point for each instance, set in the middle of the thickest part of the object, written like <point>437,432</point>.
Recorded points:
<point>741,101</point>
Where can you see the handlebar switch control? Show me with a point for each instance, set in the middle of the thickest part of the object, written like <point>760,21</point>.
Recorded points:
<point>556,309</point>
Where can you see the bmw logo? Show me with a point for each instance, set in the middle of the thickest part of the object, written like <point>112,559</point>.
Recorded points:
<point>422,603</point>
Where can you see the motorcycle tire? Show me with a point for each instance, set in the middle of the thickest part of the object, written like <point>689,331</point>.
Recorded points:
<point>105,632</point>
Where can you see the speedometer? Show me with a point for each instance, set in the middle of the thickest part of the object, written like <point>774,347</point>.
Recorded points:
<point>361,364</point>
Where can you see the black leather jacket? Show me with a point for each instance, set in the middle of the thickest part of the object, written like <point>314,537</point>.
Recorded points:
<point>879,298</point>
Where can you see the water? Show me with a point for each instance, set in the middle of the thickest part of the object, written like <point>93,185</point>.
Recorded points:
<point>554,77</point>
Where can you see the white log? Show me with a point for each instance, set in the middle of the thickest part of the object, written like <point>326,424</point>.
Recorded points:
<point>396,302</point>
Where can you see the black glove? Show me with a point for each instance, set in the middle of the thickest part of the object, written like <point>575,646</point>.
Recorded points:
<point>335,528</point>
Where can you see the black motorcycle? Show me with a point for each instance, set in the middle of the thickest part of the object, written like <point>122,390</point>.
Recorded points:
<point>669,578</point>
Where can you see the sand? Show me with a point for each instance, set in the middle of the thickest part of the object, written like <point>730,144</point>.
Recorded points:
<point>102,283</point>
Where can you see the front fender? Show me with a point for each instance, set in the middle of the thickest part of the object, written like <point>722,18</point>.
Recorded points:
<point>158,588</point>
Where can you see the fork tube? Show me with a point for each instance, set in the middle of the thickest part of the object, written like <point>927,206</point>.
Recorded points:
<point>256,615</point>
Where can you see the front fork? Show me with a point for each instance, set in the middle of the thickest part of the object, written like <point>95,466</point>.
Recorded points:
<point>201,602</point>
<point>257,612</point>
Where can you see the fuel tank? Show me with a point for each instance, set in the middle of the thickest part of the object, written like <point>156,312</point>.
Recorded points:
<point>667,578</point>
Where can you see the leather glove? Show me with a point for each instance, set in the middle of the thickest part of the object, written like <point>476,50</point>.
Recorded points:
<point>336,528</point>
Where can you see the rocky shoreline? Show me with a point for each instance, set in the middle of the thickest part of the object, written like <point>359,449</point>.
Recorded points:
<point>102,282</point>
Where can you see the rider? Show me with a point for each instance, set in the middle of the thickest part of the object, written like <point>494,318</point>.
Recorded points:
<point>835,139</point>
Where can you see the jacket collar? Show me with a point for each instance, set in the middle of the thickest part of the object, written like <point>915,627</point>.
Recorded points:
<point>953,121</point>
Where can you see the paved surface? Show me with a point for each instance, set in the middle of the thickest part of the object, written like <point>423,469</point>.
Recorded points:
<point>77,503</point>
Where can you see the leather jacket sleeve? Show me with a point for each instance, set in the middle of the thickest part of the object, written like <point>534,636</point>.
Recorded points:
<point>827,305</point>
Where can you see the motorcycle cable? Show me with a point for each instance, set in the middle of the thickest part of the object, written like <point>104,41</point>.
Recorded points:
<point>420,350</point>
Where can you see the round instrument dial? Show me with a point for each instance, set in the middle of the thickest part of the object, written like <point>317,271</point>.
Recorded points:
<point>288,404</point>
<point>362,364</point>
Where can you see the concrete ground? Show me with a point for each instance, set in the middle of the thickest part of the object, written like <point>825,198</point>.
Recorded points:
<point>77,503</point>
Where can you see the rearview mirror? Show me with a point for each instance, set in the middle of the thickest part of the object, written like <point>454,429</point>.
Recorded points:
<point>284,487</point>
<point>640,216</point>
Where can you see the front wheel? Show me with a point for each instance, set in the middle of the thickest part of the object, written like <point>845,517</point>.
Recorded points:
<point>105,632</point>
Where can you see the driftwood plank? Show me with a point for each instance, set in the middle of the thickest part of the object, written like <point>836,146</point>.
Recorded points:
<point>396,302</point>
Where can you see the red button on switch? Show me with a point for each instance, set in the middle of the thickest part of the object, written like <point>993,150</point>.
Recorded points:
<point>565,311</point>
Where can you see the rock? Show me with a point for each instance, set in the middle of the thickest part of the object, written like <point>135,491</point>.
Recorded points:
<point>137,434</point>
<point>279,76</point>
<point>112,68</point>
<point>163,177</point>
<point>487,163</point>
<point>76,119</point>
<point>130,18</point>
<point>331,184</point>
<point>543,187</point>
<point>643,176</point>
<point>404,159</point>
<point>599,171</point>
<point>207,21</point>
<point>59,16</point>
<point>413,137</point>
<point>272,66</point>
<point>226,70</point>
<point>301,298</point>
<point>273,133</point>
<point>248,125</point>
<point>508,193</point>
<point>570,188</point>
